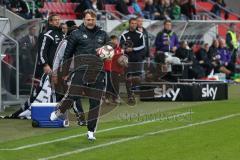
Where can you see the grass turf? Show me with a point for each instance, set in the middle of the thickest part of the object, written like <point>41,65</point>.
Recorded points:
<point>218,140</point>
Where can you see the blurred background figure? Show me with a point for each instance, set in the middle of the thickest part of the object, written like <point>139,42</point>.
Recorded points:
<point>28,50</point>
<point>64,28</point>
<point>232,43</point>
<point>225,57</point>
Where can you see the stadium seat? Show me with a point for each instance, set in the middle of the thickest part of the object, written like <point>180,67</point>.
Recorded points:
<point>111,8</point>
<point>141,5</point>
<point>65,10</point>
<point>203,6</point>
<point>68,8</point>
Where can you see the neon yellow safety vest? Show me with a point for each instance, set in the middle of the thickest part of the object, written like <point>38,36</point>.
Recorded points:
<point>234,39</point>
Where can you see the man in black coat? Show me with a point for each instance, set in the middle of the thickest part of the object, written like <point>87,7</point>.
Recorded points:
<point>48,42</point>
<point>133,42</point>
<point>88,79</point>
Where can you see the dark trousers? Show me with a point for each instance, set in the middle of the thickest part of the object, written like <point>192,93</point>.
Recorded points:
<point>233,60</point>
<point>133,76</point>
<point>79,109</point>
<point>113,82</point>
<point>93,112</point>
<point>94,92</point>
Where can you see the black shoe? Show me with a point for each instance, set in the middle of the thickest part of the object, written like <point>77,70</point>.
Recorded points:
<point>131,101</point>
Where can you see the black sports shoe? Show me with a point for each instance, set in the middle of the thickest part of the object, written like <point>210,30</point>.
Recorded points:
<point>131,101</point>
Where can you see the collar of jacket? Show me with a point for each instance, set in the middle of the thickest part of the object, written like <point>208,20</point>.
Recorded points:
<point>96,28</point>
<point>169,32</point>
<point>50,27</point>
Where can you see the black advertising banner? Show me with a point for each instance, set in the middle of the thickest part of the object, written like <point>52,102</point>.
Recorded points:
<point>194,91</point>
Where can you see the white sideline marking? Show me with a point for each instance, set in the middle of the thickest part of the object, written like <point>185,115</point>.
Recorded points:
<point>100,131</point>
<point>138,137</point>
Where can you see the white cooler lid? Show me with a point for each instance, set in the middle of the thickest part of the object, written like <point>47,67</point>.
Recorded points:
<point>44,104</point>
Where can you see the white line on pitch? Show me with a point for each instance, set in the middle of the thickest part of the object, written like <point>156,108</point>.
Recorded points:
<point>138,137</point>
<point>100,131</point>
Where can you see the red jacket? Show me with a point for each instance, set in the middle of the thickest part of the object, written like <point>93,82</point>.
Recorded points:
<point>112,65</point>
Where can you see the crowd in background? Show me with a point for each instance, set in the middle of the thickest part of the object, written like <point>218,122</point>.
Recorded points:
<point>149,9</point>
<point>219,56</point>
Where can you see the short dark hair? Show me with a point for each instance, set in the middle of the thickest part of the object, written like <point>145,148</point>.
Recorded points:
<point>50,18</point>
<point>113,37</point>
<point>70,23</point>
<point>132,19</point>
<point>61,24</point>
<point>167,21</point>
<point>91,12</point>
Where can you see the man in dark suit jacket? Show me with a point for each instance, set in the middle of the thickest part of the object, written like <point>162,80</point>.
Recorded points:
<point>28,50</point>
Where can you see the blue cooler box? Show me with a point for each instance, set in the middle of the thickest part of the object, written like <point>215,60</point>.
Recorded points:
<point>41,116</point>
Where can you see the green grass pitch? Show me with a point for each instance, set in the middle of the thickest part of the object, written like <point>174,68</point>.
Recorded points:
<point>147,131</point>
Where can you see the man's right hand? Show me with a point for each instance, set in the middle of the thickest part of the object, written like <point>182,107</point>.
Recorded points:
<point>166,43</point>
<point>129,50</point>
<point>47,69</point>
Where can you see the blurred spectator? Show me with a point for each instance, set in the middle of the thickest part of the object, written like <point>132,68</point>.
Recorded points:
<point>114,72</point>
<point>232,42</point>
<point>28,51</point>
<point>110,1</point>
<point>166,40</point>
<point>38,4</point>
<point>159,9</point>
<point>149,10</point>
<point>204,61</point>
<point>225,56</point>
<point>95,5</point>
<point>218,8</point>
<point>176,10</point>
<point>137,9</point>
<point>122,6</point>
<point>185,54</point>
<point>188,9</point>
<point>19,7</point>
<point>64,28</point>
<point>71,25</point>
<point>215,58</point>
<point>167,7</point>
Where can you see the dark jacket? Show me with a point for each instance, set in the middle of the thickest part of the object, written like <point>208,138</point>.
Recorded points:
<point>195,70</point>
<point>85,41</point>
<point>225,55</point>
<point>48,43</point>
<point>146,38</point>
<point>137,42</point>
<point>212,53</point>
<point>28,52</point>
<point>82,43</point>
<point>122,7</point>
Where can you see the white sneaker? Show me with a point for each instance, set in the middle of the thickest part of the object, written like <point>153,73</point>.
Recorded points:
<point>90,136</point>
<point>53,116</point>
<point>107,101</point>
